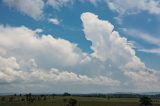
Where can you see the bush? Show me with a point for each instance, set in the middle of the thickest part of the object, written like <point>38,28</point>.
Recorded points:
<point>145,101</point>
<point>72,102</point>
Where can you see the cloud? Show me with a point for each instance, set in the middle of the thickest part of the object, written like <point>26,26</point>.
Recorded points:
<point>35,8</point>
<point>107,44</point>
<point>94,2</point>
<point>22,42</point>
<point>143,36</point>
<point>128,7</point>
<point>32,8</point>
<point>12,73</point>
<point>154,51</point>
<point>57,4</point>
<point>109,47</point>
<point>7,68</point>
<point>54,21</point>
<point>29,60</point>
<point>146,80</point>
<point>133,7</point>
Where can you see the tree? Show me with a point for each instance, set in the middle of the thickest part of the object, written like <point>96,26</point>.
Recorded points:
<point>66,94</point>
<point>145,101</point>
<point>28,97</point>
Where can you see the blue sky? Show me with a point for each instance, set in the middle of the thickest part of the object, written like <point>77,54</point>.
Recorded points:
<point>76,40</point>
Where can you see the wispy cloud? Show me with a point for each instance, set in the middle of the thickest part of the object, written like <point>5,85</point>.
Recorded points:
<point>132,7</point>
<point>143,36</point>
<point>154,51</point>
<point>150,39</point>
<point>32,8</point>
<point>57,4</point>
<point>35,8</point>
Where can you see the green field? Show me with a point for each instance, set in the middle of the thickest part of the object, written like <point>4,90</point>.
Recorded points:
<point>63,100</point>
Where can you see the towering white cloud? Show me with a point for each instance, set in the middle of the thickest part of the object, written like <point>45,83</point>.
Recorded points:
<point>106,43</point>
<point>108,46</point>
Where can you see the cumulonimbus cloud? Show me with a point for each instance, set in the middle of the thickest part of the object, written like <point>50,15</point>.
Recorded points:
<point>29,58</point>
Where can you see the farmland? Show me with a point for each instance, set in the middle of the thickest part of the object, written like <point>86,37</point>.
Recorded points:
<point>64,100</point>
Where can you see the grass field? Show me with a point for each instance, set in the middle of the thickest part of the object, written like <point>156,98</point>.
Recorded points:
<point>81,101</point>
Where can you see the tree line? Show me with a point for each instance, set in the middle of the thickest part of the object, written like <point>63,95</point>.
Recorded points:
<point>30,98</point>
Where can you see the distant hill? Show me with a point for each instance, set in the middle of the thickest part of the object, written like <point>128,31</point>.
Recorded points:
<point>103,95</point>
<point>150,93</point>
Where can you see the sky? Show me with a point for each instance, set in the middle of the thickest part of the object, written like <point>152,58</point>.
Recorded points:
<point>79,46</point>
